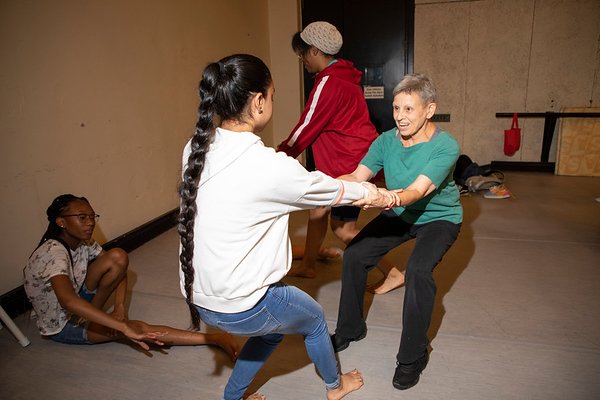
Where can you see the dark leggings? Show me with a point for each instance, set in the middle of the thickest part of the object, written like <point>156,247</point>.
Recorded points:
<point>382,234</point>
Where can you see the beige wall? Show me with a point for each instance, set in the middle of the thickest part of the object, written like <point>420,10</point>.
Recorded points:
<point>286,69</point>
<point>98,98</point>
<point>489,56</point>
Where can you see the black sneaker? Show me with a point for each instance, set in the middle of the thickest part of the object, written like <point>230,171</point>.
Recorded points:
<point>339,343</point>
<point>407,375</point>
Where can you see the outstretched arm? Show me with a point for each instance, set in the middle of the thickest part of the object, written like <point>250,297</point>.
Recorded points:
<point>105,327</point>
<point>378,197</point>
<point>421,187</point>
<point>360,174</point>
<point>71,302</point>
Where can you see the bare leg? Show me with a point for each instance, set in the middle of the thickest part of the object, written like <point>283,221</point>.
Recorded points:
<point>177,337</point>
<point>297,251</point>
<point>344,230</point>
<point>315,234</point>
<point>325,253</point>
<point>350,381</point>
<point>393,278</point>
<point>119,310</point>
<point>108,274</point>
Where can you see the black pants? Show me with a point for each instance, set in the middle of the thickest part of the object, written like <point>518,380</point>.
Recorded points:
<point>381,235</point>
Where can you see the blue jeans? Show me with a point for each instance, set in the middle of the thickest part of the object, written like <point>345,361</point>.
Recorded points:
<point>283,310</point>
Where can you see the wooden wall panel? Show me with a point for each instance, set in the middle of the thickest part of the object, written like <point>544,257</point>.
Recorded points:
<point>579,145</point>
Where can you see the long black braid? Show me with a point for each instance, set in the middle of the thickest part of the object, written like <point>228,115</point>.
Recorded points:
<point>225,90</point>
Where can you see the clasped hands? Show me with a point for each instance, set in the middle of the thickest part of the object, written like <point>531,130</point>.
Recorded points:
<point>379,198</point>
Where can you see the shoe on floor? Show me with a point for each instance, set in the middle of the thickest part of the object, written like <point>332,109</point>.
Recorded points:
<point>339,343</point>
<point>497,192</point>
<point>407,375</point>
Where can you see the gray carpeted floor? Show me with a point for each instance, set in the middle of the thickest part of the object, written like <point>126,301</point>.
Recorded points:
<point>517,317</point>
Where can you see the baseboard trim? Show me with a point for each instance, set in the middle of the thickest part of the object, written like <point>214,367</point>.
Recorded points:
<point>525,166</point>
<point>144,233</point>
<point>15,302</point>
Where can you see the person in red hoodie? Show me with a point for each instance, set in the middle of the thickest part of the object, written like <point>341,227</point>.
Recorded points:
<point>335,124</point>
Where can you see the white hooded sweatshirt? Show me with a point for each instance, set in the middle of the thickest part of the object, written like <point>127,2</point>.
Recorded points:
<point>241,242</point>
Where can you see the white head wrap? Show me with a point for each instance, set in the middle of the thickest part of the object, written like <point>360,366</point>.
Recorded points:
<point>323,36</point>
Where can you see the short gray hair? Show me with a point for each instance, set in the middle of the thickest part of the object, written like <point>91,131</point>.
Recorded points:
<point>420,84</point>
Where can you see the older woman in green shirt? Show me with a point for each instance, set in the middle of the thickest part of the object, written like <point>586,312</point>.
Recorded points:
<point>418,159</point>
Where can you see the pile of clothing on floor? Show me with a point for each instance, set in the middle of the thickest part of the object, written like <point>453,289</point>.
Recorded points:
<point>471,177</point>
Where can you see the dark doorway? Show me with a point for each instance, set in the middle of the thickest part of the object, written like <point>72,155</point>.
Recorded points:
<point>378,39</point>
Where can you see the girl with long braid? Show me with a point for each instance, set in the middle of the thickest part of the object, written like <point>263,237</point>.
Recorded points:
<point>69,278</point>
<point>236,196</point>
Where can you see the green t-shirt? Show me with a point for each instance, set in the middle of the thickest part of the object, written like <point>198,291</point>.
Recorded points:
<point>402,165</point>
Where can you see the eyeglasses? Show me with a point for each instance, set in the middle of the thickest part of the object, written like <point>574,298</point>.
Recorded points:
<point>84,217</point>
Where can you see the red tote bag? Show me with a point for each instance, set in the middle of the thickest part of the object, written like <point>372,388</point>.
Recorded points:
<point>512,137</point>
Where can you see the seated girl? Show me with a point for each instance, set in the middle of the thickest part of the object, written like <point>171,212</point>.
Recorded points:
<point>69,278</point>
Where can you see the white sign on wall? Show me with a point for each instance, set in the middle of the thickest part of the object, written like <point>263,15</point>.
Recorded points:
<point>373,92</point>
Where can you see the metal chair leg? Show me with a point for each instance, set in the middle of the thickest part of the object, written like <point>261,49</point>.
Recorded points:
<point>13,328</point>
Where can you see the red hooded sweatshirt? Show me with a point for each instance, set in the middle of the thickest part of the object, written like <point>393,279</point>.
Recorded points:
<point>335,121</point>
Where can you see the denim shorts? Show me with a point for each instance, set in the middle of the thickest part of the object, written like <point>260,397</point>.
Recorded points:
<point>74,333</point>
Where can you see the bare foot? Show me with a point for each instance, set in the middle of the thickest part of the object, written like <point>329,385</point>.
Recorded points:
<point>350,381</point>
<point>256,396</point>
<point>393,280</point>
<point>301,271</point>
<point>328,253</point>
<point>325,253</point>
<point>226,342</point>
